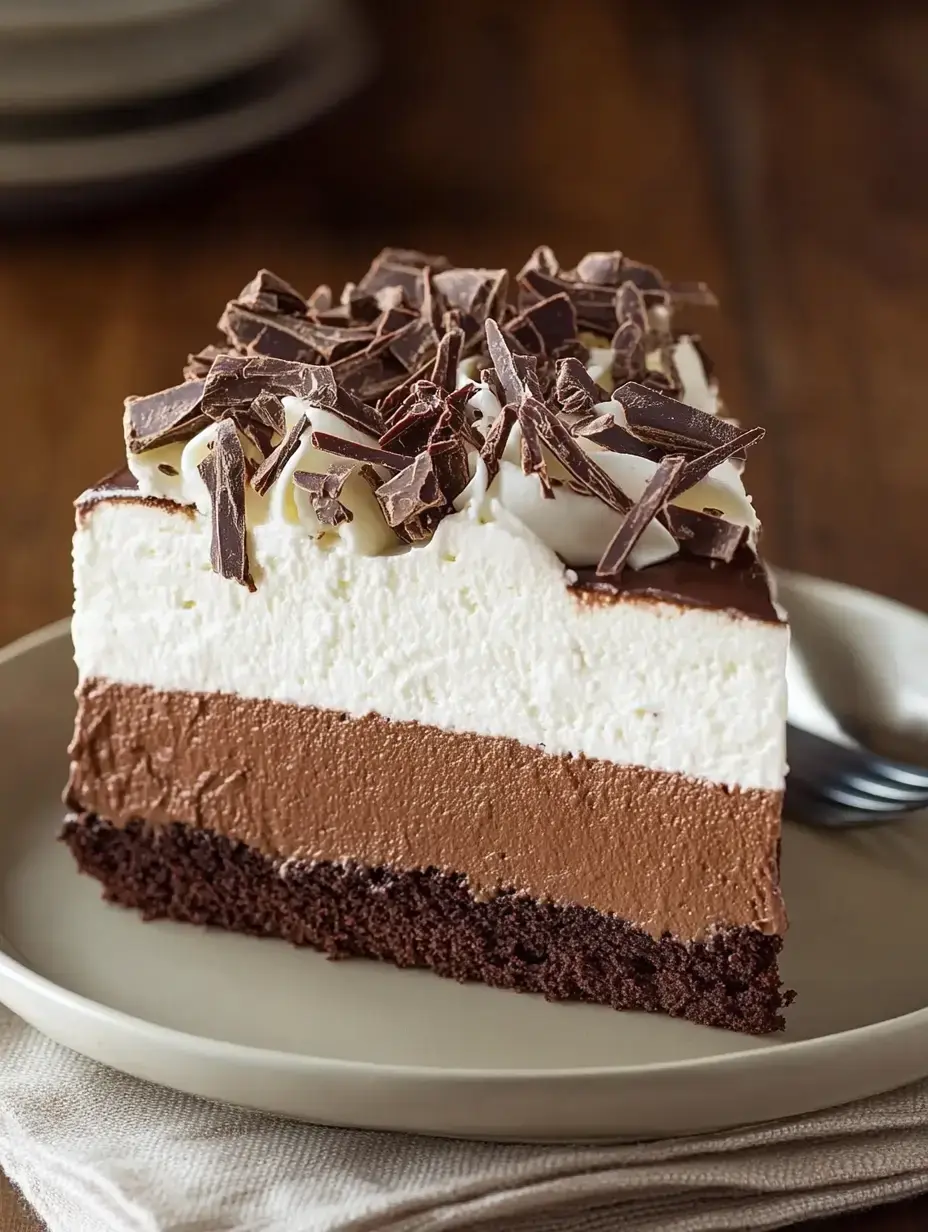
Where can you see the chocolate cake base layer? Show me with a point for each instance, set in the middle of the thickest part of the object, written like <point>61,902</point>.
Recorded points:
<point>430,919</point>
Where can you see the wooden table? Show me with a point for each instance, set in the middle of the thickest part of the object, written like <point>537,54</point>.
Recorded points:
<point>782,161</point>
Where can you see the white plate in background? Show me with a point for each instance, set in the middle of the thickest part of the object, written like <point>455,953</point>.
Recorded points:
<point>166,49</point>
<point>261,1023</point>
<point>45,15</point>
<point>323,67</point>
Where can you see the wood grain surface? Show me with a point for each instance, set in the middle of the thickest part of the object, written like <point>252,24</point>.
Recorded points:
<point>776,151</point>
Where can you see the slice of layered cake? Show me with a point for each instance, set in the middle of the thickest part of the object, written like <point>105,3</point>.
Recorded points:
<point>427,624</point>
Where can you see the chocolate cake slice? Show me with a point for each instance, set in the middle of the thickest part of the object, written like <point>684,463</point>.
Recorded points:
<point>427,624</point>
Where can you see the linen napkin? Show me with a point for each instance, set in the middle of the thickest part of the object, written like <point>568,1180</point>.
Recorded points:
<point>95,1151</point>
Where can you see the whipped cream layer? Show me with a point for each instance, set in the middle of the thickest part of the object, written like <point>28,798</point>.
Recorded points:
<point>471,631</point>
<point>576,526</point>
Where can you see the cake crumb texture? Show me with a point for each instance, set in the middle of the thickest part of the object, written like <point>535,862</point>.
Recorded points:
<point>427,918</point>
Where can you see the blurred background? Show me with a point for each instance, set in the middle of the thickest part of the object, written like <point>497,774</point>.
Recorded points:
<point>155,153</point>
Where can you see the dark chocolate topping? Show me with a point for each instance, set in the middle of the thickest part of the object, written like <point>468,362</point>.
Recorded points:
<point>575,389</point>
<point>650,502</point>
<point>161,419</point>
<point>267,290</point>
<point>357,452</point>
<point>591,478</point>
<point>657,417</point>
<point>384,358</point>
<point>235,381</point>
<point>448,452</point>
<point>510,381</point>
<point>324,491</point>
<point>412,492</point>
<point>704,533</point>
<point>605,432</point>
<point>530,413</point>
<point>223,472</point>
<point>199,362</point>
<point>269,472</point>
<point>495,443</point>
<point>698,468</point>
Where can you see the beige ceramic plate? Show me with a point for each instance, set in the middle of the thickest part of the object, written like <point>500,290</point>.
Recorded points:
<point>258,1022</point>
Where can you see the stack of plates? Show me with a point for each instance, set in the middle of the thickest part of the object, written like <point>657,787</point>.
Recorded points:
<point>95,92</point>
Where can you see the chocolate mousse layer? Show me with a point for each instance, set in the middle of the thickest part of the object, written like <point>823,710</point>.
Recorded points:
<point>669,854</point>
<point>426,918</point>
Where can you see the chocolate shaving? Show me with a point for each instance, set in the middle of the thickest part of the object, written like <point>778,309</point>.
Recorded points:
<point>268,410</point>
<point>462,420</point>
<point>324,491</point>
<point>542,261</point>
<point>373,372</point>
<point>490,378</point>
<point>606,433</point>
<point>447,357</point>
<point>575,461</point>
<point>234,381</point>
<point>575,389</point>
<point>629,360</point>
<point>269,472</point>
<point>320,300</point>
<point>277,337</point>
<point>530,376</point>
<point>199,362</point>
<point>357,452</point>
<point>334,342</point>
<point>413,344</point>
<point>400,267</point>
<point>391,320</point>
<point>630,306</point>
<point>261,422</point>
<point>663,420</point>
<point>411,426</point>
<point>698,468</point>
<point>164,418</point>
<point>392,404</point>
<point>412,492</point>
<point>645,277</point>
<point>449,456</point>
<point>600,268</point>
<point>651,501</point>
<point>547,324</point>
<point>501,357</point>
<point>223,472</point>
<point>268,292</point>
<point>531,454</point>
<point>521,330</point>
<point>495,444</point>
<point>360,307</point>
<point>662,380</point>
<point>323,391</point>
<point>704,534</point>
<point>478,293</point>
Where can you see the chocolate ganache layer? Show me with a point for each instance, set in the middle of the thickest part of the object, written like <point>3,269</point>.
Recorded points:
<point>426,918</point>
<point>672,854</point>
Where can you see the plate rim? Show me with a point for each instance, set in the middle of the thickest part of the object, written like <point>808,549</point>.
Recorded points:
<point>346,58</point>
<point>868,1035</point>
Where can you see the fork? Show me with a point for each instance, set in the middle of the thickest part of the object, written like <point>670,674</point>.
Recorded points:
<point>847,786</point>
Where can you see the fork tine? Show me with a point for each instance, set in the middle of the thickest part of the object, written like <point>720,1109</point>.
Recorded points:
<point>884,789</point>
<point>802,806</point>
<point>849,796</point>
<point>899,772</point>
